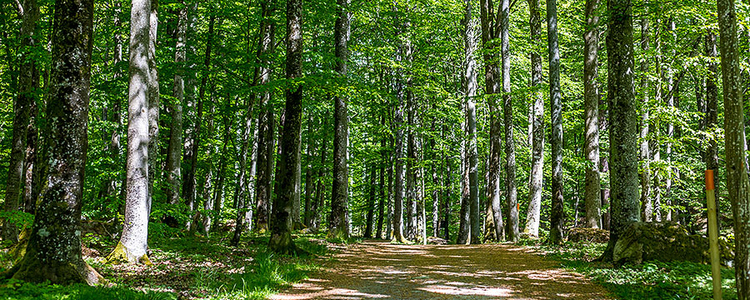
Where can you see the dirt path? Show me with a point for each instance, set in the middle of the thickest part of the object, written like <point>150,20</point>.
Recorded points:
<point>380,270</point>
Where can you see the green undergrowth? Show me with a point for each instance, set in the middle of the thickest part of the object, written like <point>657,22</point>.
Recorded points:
<point>650,280</point>
<point>187,266</point>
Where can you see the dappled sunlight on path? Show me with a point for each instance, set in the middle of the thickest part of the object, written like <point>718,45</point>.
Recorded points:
<point>380,270</point>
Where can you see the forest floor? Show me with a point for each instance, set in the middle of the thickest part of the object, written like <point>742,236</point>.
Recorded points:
<point>381,270</point>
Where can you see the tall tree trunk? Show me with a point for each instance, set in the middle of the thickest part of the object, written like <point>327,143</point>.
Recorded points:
<point>53,252</point>
<point>591,98</point>
<point>623,131</point>
<point>319,186</point>
<point>174,149</point>
<point>265,163</point>
<point>647,210</point>
<point>557,218</point>
<point>194,116</point>
<point>470,93</point>
<point>533,214</point>
<point>446,205</point>
<point>511,191</point>
<point>153,100</point>
<point>734,127</point>
<point>134,240</point>
<point>492,75</point>
<point>339,223</point>
<point>28,83</point>
<point>391,200</point>
<point>281,223</point>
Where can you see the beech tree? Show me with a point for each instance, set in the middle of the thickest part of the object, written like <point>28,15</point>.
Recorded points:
<point>281,223</point>
<point>23,106</point>
<point>738,183</point>
<point>623,131</point>
<point>54,252</point>
<point>591,105</point>
<point>339,223</point>
<point>533,213</point>
<point>558,202</point>
<point>134,240</point>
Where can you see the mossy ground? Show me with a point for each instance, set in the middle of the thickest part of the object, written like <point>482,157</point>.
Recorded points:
<point>185,266</point>
<point>650,280</point>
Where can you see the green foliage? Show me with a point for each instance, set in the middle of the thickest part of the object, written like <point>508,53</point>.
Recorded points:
<point>650,280</point>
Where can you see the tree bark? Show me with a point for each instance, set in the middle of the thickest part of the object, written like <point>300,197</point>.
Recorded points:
<point>370,204</point>
<point>470,93</point>
<point>490,33</point>
<point>339,222</point>
<point>511,191</point>
<point>712,96</point>
<point>28,83</point>
<point>53,252</point>
<point>623,130</point>
<point>591,98</point>
<point>134,240</point>
<point>557,217</point>
<point>533,213</point>
<point>174,149</point>
<point>281,223</point>
<point>734,128</point>
<point>153,100</point>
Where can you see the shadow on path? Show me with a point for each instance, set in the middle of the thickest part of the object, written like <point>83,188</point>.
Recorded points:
<point>380,270</point>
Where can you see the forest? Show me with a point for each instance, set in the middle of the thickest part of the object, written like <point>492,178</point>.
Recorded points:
<point>354,149</point>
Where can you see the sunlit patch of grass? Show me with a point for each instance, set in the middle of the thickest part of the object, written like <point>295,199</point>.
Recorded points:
<point>650,280</point>
<point>13,289</point>
<point>191,267</point>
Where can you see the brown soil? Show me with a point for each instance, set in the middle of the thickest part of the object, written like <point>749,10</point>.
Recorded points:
<point>380,270</point>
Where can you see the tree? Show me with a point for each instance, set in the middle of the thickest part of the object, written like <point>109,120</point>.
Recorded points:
<point>557,218</point>
<point>53,252</point>
<point>623,131</point>
<point>134,240</point>
<point>511,190</point>
<point>339,225</point>
<point>153,99</point>
<point>470,93</point>
<point>533,214</point>
<point>591,105</point>
<point>281,223</point>
<point>28,82</point>
<point>738,183</point>
<point>492,74</point>
<point>174,149</point>
<point>646,201</point>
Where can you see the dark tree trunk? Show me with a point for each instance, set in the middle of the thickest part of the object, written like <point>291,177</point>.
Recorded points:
<point>281,223</point>
<point>370,204</point>
<point>381,184</point>
<point>339,222</point>
<point>734,128</point>
<point>623,131</point>
<point>28,83</point>
<point>557,217</point>
<point>490,33</point>
<point>54,253</point>
<point>591,98</point>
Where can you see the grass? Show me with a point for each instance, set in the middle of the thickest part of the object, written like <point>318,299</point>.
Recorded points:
<point>185,267</point>
<point>650,280</point>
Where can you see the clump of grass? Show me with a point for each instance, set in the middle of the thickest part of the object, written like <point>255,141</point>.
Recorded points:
<point>650,280</point>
